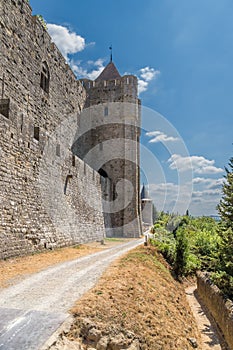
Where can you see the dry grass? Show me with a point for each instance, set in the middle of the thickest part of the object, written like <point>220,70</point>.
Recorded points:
<point>138,294</point>
<point>13,269</point>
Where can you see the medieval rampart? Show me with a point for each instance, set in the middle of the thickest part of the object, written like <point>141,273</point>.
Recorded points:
<point>48,196</point>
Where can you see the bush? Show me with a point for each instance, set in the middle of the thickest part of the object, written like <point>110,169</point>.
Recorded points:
<point>224,281</point>
<point>188,243</point>
<point>193,264</point>
<point>182,252</point>
<point>166,246</point>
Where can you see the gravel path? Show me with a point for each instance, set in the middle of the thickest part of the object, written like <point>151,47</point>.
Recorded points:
<point>211,340</point>
<point>33,309</point>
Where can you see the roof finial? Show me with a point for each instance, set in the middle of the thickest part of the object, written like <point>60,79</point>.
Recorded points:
<point>110,48</point>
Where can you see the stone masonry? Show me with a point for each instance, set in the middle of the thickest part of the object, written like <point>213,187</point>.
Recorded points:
<point>108,140</point>
<point>44,187</point>
<point>54,191</point>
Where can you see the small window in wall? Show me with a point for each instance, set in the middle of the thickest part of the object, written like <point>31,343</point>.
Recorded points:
<point>68,178</point>
<point>36,133</point>
<point>21,123</point>
<point>73,160</point>
<point>58,150</point>
<point>44,77</point>
<point>5,107</point>
<point>114,193</point>
<point>106,111</point>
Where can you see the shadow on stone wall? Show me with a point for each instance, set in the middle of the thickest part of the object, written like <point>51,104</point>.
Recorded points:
<point>220,308</point>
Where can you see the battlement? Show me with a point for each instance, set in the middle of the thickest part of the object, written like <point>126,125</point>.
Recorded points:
<point>125,80</point>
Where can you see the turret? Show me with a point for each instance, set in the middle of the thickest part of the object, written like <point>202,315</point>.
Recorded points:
<point>108,140</point>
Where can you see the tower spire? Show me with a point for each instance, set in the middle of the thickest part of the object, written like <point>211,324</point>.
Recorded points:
<point>110,48</point>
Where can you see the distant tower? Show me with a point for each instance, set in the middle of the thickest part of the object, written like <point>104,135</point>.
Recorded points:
<point>108,140</point>
<point>146,207</point>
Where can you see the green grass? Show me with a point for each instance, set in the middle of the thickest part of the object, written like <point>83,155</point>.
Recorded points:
<point>114,239</point>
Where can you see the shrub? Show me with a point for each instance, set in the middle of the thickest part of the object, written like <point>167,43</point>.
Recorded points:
<point>224,281</point>
<point>182,252</point>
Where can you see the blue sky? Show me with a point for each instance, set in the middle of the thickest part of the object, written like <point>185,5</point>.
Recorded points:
<point>182,53</point>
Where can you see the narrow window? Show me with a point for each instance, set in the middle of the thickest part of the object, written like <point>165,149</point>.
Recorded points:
<point>73,160</point>
<point>68,178</point>
<point>106,111</point>
<point>36,133</point>
<point>21,126</point>
<point>58,150</point>
<point>5,107</point>
<point>44,77</point>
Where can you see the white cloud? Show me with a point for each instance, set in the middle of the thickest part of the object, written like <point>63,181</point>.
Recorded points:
<point>159,136</point>
<point>70,43</point>
<point>146,74</point>
<point>198,164</point>
<point>67,42</point>
<point>206,193</point>
<point>142,86</point>
<point>211,184</point>
<point>91,72</point>
<point>167,196</point>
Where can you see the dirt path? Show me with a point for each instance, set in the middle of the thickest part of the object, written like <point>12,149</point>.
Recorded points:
<point>209,333</point>
<point>33,309</point>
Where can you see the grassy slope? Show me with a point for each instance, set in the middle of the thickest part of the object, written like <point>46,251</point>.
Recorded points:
<point>138,294</point>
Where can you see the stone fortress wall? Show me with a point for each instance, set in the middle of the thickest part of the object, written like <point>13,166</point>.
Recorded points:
<point>49,197</point>
<point>109,142</point>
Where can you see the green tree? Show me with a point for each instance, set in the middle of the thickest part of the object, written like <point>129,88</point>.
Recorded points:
<point>182,252</point>
<point>225,207</point>
<point>224,276</point>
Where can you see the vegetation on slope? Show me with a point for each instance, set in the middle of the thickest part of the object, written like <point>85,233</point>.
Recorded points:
<point>191,244</point>
<point>139,298</point>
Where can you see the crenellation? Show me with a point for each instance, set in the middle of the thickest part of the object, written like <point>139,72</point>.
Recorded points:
<point>110,130</point>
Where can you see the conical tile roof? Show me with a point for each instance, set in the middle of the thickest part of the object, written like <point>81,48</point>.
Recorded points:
<point>144,193</point>
<point>109,73</point>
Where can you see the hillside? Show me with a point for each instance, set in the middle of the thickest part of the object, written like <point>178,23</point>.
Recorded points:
<point>136,302</point>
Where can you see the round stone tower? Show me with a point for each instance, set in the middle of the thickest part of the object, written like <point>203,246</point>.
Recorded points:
<point>108,140</point>
<point>146,208</point>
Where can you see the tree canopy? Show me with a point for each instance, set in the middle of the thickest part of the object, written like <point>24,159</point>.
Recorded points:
<point>225,207</point>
